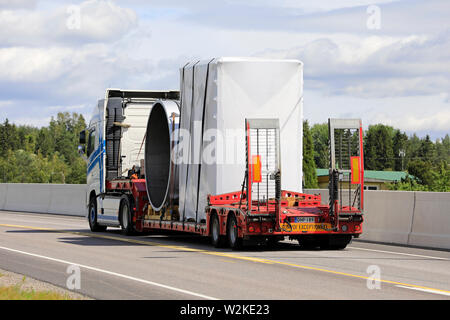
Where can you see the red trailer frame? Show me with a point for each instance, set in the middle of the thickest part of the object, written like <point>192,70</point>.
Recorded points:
<point>237,217</point>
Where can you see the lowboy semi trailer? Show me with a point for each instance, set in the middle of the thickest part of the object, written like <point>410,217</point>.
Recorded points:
<point>218,159</point>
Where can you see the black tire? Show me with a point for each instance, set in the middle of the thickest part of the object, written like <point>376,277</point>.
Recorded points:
<point>126,217</point>
<point>217,240</point>
<point>335,242</point>
<point>234,241</point>
<point>93,225</point>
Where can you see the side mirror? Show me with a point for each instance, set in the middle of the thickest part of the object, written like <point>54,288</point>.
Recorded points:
<point>82,151</point>
<point>83,137</point>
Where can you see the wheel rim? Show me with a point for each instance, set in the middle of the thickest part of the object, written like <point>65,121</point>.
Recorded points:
<point>125,216</point>
<point>92,214</point>
<point>233,231</point>
<point>215,231</point>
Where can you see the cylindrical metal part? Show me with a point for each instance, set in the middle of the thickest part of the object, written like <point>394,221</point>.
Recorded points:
<point>161,142</point>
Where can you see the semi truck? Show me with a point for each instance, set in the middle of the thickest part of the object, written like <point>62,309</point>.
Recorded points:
<point>220,158</point>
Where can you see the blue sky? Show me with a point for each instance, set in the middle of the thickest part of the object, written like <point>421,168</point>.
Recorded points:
<point>382,61</point>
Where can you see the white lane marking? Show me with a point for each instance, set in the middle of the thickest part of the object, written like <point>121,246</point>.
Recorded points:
<point>113,274</point>
<point>401,253</point>
<point>425,290</point>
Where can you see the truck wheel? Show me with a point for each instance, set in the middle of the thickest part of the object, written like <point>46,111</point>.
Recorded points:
<point>125,217</point>
<point>95,227</point>
<point>233,235</point>
<point>217,240</point>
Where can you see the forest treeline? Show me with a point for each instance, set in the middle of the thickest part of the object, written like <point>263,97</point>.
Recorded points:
<point>389,149</point>
<point>50,154</point>
<point>43,155</point>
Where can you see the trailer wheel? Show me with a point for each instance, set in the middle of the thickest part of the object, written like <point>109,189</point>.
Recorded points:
<point>217,240</point>
<point>125,217</point>
<point>233,235</point>
<point>93,225</point>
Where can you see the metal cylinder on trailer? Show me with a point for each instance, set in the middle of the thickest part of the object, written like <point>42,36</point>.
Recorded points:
<point>161,173</point>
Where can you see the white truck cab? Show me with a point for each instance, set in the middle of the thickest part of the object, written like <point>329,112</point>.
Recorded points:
<point>114,145</point>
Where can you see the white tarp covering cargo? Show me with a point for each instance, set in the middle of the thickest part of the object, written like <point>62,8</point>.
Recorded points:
<point>217,96</point>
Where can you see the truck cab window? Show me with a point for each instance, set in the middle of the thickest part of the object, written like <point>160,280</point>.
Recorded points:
<point>91,143</point>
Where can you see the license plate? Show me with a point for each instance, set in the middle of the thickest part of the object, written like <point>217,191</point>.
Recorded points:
<point>304,220</point>
<point>305,227</point>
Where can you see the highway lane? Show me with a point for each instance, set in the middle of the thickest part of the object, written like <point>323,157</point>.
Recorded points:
<point>187,267</point>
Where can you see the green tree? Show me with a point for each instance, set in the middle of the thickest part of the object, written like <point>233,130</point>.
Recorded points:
<point>427,150</point>
<point>399,142</point>
<point>44,142</point>
<point>45,155</point>
<point>412,148</point>
<point>319,134</point>
<point>309,166</point>
<point>422,170</point>
<point>378,148</point>
<point>77,173</point>
<point>441,178</point>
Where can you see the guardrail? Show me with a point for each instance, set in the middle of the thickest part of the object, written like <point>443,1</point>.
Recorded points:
<point>399,217</point>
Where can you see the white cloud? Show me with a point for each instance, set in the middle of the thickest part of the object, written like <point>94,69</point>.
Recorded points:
<point>33,121</point>
<point>399,70</point>
<point>6,103</point>
<point>414,114</point>
<point>17,4</point>
<point>376,66</point>
<point>99,21</point>
<point>439,121</point>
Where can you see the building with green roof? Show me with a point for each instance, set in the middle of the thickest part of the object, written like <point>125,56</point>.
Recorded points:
<point>373,180</point>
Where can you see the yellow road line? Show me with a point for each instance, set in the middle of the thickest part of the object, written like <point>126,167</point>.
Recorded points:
<point>216,253</point>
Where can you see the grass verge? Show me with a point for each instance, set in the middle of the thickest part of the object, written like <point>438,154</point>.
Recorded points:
<point>16,292</point>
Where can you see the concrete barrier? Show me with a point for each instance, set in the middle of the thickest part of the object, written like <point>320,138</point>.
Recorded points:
<point>431,220</point>
<point>408,218</point>
<point>3,193</point>
<point>44,198</point>
<point>388,216</point>
<point>324,193</point>
<point>28,197</point>
<point>68,199</point>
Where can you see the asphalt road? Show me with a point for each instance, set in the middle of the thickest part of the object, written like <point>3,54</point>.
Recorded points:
<point>113,266</point>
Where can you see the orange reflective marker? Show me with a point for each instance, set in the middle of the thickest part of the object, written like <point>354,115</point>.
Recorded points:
<point>355,170</point>
<point>256,163</point>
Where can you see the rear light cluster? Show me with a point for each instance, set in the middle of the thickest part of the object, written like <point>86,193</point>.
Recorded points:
<point>253,229</point>
<point>346,228</point>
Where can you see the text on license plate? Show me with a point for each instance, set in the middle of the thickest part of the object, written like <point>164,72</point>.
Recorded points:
<point>304,219</point>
